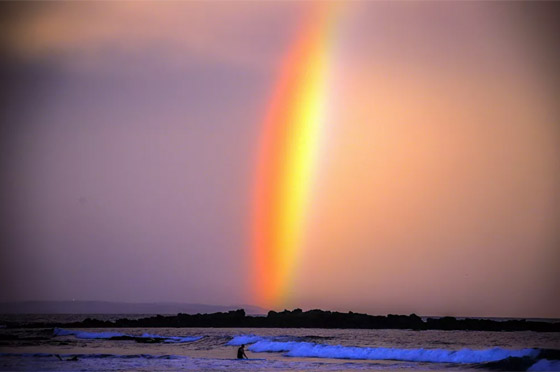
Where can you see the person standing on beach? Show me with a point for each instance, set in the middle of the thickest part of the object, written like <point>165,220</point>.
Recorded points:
<point>241,353</point>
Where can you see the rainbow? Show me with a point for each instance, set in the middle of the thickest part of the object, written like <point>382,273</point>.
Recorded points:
<point>286,158</point>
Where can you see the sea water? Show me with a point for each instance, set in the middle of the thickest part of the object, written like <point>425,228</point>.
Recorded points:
<point>273,349</point>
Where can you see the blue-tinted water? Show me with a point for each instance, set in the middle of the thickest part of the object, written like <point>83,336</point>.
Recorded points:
<point>213,349</point>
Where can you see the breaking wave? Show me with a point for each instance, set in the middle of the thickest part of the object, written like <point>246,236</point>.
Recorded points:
<point>121,336</point>
<point>86,335</point>
<point>307,349</point>
<point>251,339</point>
<point>245,339</point>
<point>314,350</point>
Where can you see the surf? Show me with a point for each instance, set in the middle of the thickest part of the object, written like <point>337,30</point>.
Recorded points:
<point>145,337</point>
<point>303,349</point>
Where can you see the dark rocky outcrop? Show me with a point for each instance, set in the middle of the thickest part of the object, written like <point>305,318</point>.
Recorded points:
<point>308,319</point>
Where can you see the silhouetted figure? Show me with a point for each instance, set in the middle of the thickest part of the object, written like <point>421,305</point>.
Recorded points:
<point>241,353</point>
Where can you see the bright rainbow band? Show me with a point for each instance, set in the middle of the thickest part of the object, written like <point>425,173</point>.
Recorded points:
<point>287,155</point>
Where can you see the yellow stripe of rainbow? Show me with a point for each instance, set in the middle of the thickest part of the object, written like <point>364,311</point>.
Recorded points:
<point>286,159</point>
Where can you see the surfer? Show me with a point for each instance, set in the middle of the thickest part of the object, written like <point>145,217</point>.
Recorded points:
<point>241,353</point>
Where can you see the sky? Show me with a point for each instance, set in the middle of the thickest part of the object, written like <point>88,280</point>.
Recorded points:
<point>379,157</point>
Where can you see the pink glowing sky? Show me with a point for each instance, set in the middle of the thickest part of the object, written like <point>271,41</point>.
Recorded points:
<point>130,129</point>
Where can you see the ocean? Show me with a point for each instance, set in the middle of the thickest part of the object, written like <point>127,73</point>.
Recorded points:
<point>270,349</point>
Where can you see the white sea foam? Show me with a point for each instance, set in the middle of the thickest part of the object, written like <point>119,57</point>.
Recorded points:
<point>545,365</point>
<point>312,350</point>
<point>108,335</point>
<point>172,339</point>
<point>85,335</point>
<point>251,339</point>
<point>245,339</point>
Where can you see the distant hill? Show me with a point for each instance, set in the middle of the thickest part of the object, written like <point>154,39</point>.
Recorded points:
<point>105,307</point>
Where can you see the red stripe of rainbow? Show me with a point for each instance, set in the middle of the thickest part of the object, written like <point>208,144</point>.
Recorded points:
<point>286,158</point>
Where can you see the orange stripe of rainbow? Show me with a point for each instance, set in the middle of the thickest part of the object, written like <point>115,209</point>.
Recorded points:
<point>288,148</point>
